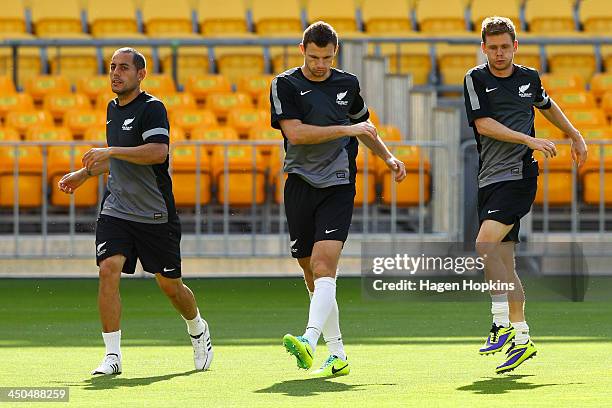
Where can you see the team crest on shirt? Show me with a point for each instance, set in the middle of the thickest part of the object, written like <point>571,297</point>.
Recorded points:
<point>127,124</point>
<point>522,90</point>
<point>340,97</point>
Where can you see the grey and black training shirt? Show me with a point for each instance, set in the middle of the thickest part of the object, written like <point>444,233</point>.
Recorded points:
<point>334,101</point>
<point>141,193</point>
<point>510,101</point>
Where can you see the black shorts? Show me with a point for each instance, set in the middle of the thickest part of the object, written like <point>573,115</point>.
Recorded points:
<point>316,214</point>
<point>507,202</point>
<point>156,245</point>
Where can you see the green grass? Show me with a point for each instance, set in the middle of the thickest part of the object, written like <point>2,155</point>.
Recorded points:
<point>401,353</point>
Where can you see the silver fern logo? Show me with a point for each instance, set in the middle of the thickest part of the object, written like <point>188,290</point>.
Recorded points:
<point>127,123</point>
<point>522,90</point>
<point>339,98</point>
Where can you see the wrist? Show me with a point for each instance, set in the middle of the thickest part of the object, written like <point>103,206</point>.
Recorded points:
<point>111,151</point>
<point>574,135</point>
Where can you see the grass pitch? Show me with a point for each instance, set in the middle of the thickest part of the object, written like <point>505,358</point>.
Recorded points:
<point>401,353</point>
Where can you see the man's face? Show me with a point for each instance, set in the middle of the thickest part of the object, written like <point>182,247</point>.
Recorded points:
<point>499,50</point>
<point>124,76</point>
<point>318,60</point>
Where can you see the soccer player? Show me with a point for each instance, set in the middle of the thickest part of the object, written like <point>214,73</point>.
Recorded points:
<point>499,101</point>
<point>321,115</point>
<point>138,218</point>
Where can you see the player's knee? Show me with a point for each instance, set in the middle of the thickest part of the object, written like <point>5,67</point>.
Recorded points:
<point>486,249</point>
<point>322,268</point>
<point>171,288</point>
<point>109,270</point>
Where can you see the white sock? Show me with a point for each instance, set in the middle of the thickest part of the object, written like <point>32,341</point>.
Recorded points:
<point>331,332</point>
<point>522,332</point>
<point>195,326</point>
<point>112,341</point>
<point>500,310</point>
<point>321,306</point>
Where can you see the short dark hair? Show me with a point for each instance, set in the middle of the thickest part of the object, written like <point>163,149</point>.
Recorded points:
<point>321,34</point>
<point>496,25</point>
<point>138,59</point>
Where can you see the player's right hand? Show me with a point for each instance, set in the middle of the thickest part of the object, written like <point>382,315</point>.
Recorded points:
<point>545,146</point>
<point>365,129</point>
<point>72,181</point>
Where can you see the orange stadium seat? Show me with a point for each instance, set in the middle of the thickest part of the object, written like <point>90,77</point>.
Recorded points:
<point>189,119</point>
<point>53,18</point>
<point>454,61</point>
<point>573,59</point>
<point>201,86</point>
<point>606,55</point>
<point>562,82</point>
<point>246,172</point>
<point>574,100</point>
<point>9,135</point>
<point>29,184</point>
<point>74,62</point>
<point>559,177</point>
<point>63,159</point>
<point>606,104</point>
<point>6,85</point>
<point>103,99</point>
<point>94,85</point>
<point>48,134</point>
<point>95,134</point>
<point>236,62</point>
<point>243,119</point>
<point>389,133</point>
<point>78,121</point>
<point>361,182</point>
<point>284,58</point>
<point>601,83</point>
<point>596,16</point>
<point>214,134</point>
<point>158,84</point>
<point>374,117</point>
<point>14,102</point>
<point>549,132</point>
<point>587,117</point>
<point>29,60</point>
<point>266,133</point>
<point>222,103</point>
<point>177,101</point>
<point>386,17</point>
<point>226,20</point>
<point>481,9</point>
<point>549,16</point>
<point>163,18</point>
<point>185,162</point>
<point>104,19</point>
<point>23,120</point>
<point>591,175</point>
<point>60,103</point>
<point>528,54</point>
<point>272,17</point>
<point>255,85</point>
<point>407,192</point>
<point>263,101</point>
<point>435,19</point>
<point>596,133</point>
<point>42,85</point>
<point>413,58</point>
<point>12,19</point>
<point>339,13</point>
<point>190,61</point>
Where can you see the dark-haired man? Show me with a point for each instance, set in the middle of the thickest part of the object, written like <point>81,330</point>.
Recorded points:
<point>499,101</point>
<point>138,219</point>
<point>321,115</point>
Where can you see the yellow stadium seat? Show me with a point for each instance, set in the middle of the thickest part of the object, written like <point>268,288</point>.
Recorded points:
<point>92,86</point>
<point>29,185</point>
<point>263,101</point>
<point>549,16</point>
<point>12,18</point>
<point>435,19</point>
<point>549,132</point>
<point>265,132</point>
<point>528,55</point>
<point>255,85</point>
<point>562,82</point>
<point>78,121</point>
<point>8,134</point>
<point>28,60</point>
<point>591,171</point>
<point>14,102</point>
<point>6,85</point>
<point>177,134</point>
<point>222,103</point>
<point>236,62</point>
<point>74,62</point>
<point>95,134</point>
<point>596,133</point>
<point>23,120</point>
<point>389,133</point>
<point>63,159</point>
<point>190,119</point>
<point>243,119</point>
<point>104,19</point>
<point>229,19</point>
<point>413,58</point>
<point>48,133</point>
<point>51,18</point>
<point>574,100</point>
<point>158,84</point>
<point>606,54</point>
<point>60,103</point>
<point>575,60</point>
<point>163,18</point>
<point>103,99</point>
<point>559,188</point>
<point>596,16</point>
<point>601,83</point>
<point>214,134</point>
<point>284,58</point>
<point>271,16</point>
<point>190,61</point>
<point>374,117</point>
<point>407,192</point>
<point>606,104</point>
<point>43,85</point>
<point>587,117</point>
<point>561,162</point>
<point>201,86</point>
<point>481,9</point>
<point>454,61</point>
<point>185,162</point>
<point>339,13</point>
<point>386,16</point>
<point>178,101</point>
<point>246,172</point>
<point>360,179</point>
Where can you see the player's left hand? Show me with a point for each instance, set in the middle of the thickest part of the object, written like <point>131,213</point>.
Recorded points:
<point>95,155</point>
<point>579,150</point>
<point>397,167</point>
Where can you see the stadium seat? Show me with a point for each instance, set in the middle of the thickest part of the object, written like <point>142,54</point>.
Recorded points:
<point>29,61</point>
<point>549,16</point>
<point>246,172</point>
<point>574,100</point>
<point>600,84</point>
<point>407,192</point>
<point>243,119</point>
<point>177,101</point>
<point>481,9</point>
<point>559,176</point>
<point>606,104</point>
<point>606,55</point>
<point>103,99</point>
<point>270,16</point>
<point>528,54</point>
<point>192,60</point>
<point>184,175</point>
<point>226,20</point>
<point>52,18</point>
<point>29,184</point>
<point>6,85</point>
<point>389,133</point>
<point>435,19</point>
<point>263,101</point>
<point>386,17</point>
<point>549,132</point>
<point>189,119</point>
<point>284,58</point>
<point>95,134</point>
<point>413,58</point>
<point>591,175</point>
<point>222,103</point>
<point>78,121</point>
<point>156,84</point>
<point>596,133</point>
<point>40,86</point>
<point>255,85</point>
<point>236,62</point>
<point>73,63</point>
<point>12,18</point>
<point>360,179</point>
<point>104,19</point>
<point>339,13</point>
<point>554,83</point>
<point>596,16</point>
<point>8,134</point>
<point>14,102</point>
<point>63,159</point>
<point>201,86</point>
<point>48,134</point>
<point>574,60</point>
<point>60,103</point>
<point>454,61</point>
<point>214,134</point>
<point>587,117</point>
<point>167,19</point>
<point>374,117</point>
<point>94,85</point>
<point>23,120</point>
<point>266,133</point>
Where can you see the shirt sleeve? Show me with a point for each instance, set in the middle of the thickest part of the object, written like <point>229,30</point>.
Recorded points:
<point>542,100</point>
<point>358,112</point>
<point>476,101</point>
<point>283,102</point>
<point>155,126</point>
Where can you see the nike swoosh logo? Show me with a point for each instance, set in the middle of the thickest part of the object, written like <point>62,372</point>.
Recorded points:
<point>305,92</point>
<point>330,231</point>
<point>490,90</point>
<point>334,371</point>
<point>492,211</point>
<point>109,121</point>
<point>169,270</point>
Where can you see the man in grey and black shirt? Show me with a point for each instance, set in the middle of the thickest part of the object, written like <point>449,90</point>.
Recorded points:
<point>500,97</point>
<point>321,114</point>
<point>138,219</point>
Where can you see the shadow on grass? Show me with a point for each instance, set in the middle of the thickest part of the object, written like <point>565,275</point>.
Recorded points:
<point>312,386</point>
<point>504,385</point>
<point>111,382</point>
